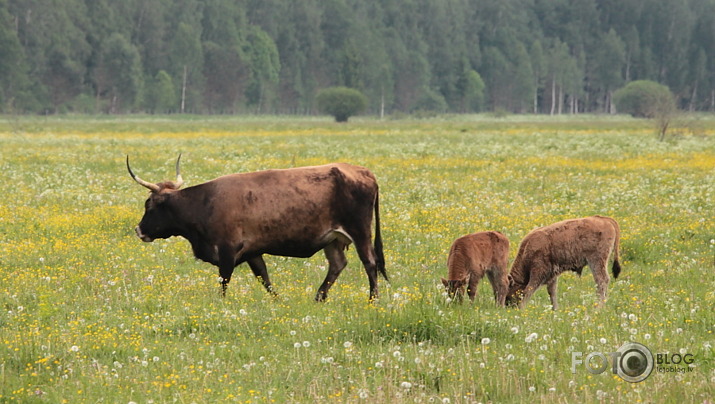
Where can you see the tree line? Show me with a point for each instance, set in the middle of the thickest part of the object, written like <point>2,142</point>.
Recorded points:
<point>273,56</point>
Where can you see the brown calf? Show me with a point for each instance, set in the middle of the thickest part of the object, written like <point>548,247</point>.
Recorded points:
<point>547,252</point>
<point>473,255</point>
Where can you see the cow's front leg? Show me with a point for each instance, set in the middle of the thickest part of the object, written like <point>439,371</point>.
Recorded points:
<point>258,266</point>
<point>227,258</point>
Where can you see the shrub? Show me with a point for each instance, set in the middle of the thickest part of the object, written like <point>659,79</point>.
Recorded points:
<point>341,102</point>
<point>645,99</point>
<point>648,99</point>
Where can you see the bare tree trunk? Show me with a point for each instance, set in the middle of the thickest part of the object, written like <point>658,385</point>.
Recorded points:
<point>553,96</point>
<point>692,98</point>
<point>183,90</point>
<point>382,104</point>
<point>561,100</point>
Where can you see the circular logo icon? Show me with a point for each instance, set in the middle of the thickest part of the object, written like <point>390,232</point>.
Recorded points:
<point>635,363</point>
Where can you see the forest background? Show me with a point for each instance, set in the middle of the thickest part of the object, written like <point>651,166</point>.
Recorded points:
<point>406,56</point>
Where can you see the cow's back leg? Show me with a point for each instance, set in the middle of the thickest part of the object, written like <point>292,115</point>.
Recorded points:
<point>335,253</point>
<point>600,276</point>
<point>258,266</point>
<point>367,255</point>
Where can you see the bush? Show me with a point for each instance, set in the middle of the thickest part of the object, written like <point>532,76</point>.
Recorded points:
<point>645,99</point>
<point>341,102</point>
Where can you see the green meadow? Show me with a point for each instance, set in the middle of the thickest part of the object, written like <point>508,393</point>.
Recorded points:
<point>89,313</point>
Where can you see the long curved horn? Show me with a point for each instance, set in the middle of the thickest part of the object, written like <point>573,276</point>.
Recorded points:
<point>179,181</point>
<point>152,187</point>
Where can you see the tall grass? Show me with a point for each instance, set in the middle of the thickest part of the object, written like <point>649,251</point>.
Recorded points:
<point>92,314</point>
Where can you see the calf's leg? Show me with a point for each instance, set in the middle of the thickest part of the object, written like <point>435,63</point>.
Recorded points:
<point>500,285</point>
<point>474,278</point>
<point>551,288</point>
<point>600,276</point>
<point>534,283</point>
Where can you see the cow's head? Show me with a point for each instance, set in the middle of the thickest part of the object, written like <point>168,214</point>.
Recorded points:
<point>158,220</point>
<point>455,289</point>
<point>515,294</point>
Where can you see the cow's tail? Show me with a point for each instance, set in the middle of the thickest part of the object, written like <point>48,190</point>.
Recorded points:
<point>379,254</point>
<point>616,268</point>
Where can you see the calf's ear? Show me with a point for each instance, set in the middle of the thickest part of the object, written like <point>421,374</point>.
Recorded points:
<point>445,282</point>
<point>510,279</point>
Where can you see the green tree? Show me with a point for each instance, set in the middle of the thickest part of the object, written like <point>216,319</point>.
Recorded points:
<point>470,89</point>
<point>539,69</point>
<point>161,94</point>
<point>13,70</point>
<point>120,78</point>
<point>606,65</point>
<point>341,102</point>
<point>225,73</point>
<point>186,64</point>
<point>150,22</point>
<point>265,65</point>
<point>55,48</point>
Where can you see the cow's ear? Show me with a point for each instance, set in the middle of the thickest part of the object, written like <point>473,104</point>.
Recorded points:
<point>445,282</point>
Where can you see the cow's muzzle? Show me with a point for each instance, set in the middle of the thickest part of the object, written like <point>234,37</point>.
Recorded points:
<point>143,236</point>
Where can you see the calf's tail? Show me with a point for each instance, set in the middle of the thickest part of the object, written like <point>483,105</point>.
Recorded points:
<point>616,268</point>
<point>379,254</point>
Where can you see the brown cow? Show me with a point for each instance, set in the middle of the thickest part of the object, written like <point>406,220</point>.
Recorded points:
<point>549,251</point>
<point>473,255</point>
<point>293,212</point>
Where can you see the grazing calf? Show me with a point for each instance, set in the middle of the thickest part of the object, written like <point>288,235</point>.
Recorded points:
<point>547,252</point>
<point>473,255</point>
